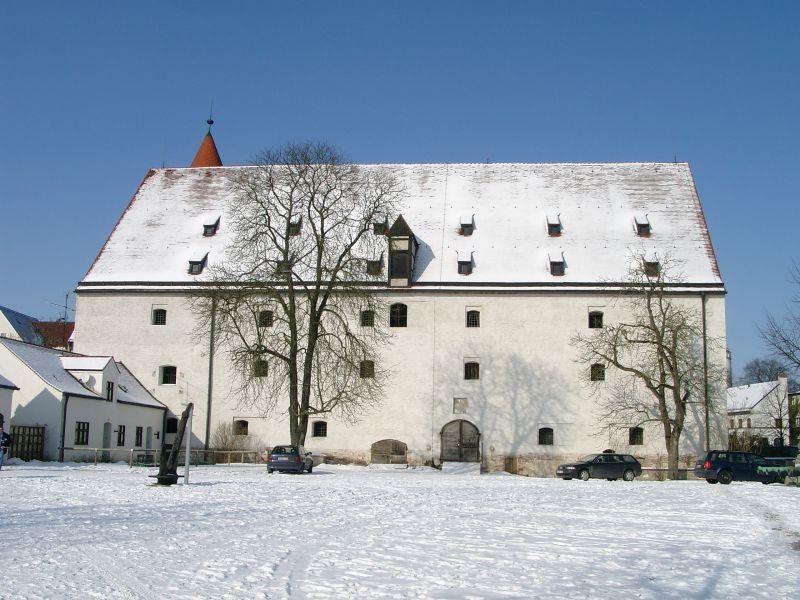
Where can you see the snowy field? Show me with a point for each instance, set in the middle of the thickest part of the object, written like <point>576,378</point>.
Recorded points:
<point>79,531</point>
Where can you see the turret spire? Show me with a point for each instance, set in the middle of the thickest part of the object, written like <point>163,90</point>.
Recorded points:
<point>207,155</point>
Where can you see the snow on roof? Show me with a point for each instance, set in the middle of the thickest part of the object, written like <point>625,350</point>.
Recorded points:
<point>5,383</point>
<point>745,397</point>
<point>23,325</point>
<point>85,363</point>
<point>131,391</point>
<point>46,363</point>
<point>163,224</point>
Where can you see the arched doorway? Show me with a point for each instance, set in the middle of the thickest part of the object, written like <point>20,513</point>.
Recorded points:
<point>389,452</point>
<point>461,442</point>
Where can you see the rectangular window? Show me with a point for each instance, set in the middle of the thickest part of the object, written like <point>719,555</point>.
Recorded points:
<point>652,268</point>
<point>265,318</point>
<point>283,267</point>
<point>319,429</point>
<point>464,267</point>
<point>367,318</point>
<point>460,406</point>
<point>636,436</point>
<point>399,264</point>
<point>139,436</point>
<point>120,435</point>
<point>168,375</point>
<point>374,267</point>
<point>472,370</point>
<point>473,318</point>
<point>595,320</point>
<point>81,433</point>
<point>379,228</point>
<point>159,316</point>
<point>557,267</point>
<point>294,227</point>
<point>210,229</point>
<point>110,391</point>
<point>367,369</point>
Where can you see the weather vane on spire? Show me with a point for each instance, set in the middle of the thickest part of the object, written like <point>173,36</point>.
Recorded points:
<point>210,120</point>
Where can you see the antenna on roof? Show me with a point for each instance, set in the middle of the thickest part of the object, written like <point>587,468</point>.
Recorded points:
<point>210,120</point>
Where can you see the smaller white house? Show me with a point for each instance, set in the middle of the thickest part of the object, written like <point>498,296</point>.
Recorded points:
<point>758,413</point>
<point>6,390</point>
<point>68,405</point>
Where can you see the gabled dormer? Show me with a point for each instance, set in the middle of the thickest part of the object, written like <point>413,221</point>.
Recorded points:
<point>642,225</point>
<point>402,253</point>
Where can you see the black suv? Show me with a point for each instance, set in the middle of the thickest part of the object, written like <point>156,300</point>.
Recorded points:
<point>606,465</point>
<point>724,466</point>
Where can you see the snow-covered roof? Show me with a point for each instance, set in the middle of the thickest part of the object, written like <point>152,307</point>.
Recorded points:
<point>53,367</point>
<point>46,363</point>
<point>23,325</point>
<point>162,227</point>
<point>5,383</point>
<point>745,397</point>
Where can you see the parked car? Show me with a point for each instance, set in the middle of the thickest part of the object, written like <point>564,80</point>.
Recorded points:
<point>724,466</point>
<point>602,466</point>
<point>289,458</point>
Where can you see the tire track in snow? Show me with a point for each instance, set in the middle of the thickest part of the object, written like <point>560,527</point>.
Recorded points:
<point>115,574</point>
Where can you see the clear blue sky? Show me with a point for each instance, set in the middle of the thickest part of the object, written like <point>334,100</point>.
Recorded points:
<point>92,94</point>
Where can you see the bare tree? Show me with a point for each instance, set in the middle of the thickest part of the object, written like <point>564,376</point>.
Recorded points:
<point>760,370</point>
<point>288,302</point>
<point>782,336</point>
<point>654,357</point>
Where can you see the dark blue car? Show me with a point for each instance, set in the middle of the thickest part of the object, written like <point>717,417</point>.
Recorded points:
<point>724,466</point>
<point>289,458</point>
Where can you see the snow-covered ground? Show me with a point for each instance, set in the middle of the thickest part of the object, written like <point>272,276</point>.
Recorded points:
<point>79,531</point>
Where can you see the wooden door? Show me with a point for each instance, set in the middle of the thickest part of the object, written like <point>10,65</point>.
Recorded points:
<point>460,442</point>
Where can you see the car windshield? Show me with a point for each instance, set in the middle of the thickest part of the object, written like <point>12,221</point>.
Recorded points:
<point>284,450</point>
<point>589,457</point>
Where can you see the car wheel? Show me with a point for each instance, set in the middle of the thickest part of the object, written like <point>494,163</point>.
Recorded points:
<point>567,478</point>
<point>724,477</point>
<point>310,467</point>
<point>628,475</point>
<point>270,470</point>
<point>711,480</point>
<point>583,475</point>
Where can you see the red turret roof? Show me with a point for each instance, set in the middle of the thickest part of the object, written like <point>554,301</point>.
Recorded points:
<point>207,155</point>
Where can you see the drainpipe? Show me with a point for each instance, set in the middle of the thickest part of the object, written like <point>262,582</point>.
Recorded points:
<point>64,402</point>
<point>705,372</point>
<point>210,371</point>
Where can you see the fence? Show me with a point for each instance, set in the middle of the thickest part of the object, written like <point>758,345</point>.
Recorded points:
<point>141,457</point>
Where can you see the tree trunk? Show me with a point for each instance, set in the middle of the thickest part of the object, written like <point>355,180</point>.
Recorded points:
<point>673,454</point>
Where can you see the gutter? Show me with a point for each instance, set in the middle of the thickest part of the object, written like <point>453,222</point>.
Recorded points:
<point>64,403</point>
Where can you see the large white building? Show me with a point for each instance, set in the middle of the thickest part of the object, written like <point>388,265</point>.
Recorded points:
<point>510,261</point>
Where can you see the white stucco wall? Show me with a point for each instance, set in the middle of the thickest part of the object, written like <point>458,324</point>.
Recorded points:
<point>6,396</point>
<point>529,378</point>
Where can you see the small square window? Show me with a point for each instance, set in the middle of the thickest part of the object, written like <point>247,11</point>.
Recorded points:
<point>240,427</point>
<point>472,370</point>
<point>460,406</point>
<point>282,267</point>
<point>168,375</point>
<point>473,318</point>
<point>374,267</point>
<point>652,268</point>
<point>260,368</point>
<point>557,267</point>
<point>546,437</point>
<point>467,228</point>
<point>368,318</point>
<point>642,226</point>
<point>597,372</point>
<point>367,369</point>
<point>294,227</point>
<point>319,429</point>
<point>265,318</point>
<point>464,267</point>
<point>159,316</point>
<point>172,425</point>
<point>595,320</point>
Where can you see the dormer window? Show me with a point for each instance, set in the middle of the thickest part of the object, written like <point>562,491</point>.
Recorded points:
<point>557,264</point>
<point>652,268</point>
<point>283,267</point>
<point>464,267</point>
<point>295,225</point>
<point>197,264</point>
<point>210,229</point>
<point>467,225</point>
<point>642,226</point>
<point>554,225</point>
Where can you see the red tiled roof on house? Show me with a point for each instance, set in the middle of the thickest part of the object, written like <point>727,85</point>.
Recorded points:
<point>207,155</point>
<point>56,334</point>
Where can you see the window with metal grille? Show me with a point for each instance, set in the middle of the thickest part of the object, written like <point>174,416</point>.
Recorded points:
<point>474,318</point>
<point>81,433</point>
<point>139,435</point>
<point>597,372</point>
<point>265,318</point>
<point>546,437</point>
<point>635,436</point>
<point>120,435</point>
<point>595,320</point>
<point>472,370</point>
<point>398,315</point>
<point>260,368</point>
<point>400,265</point>
<point>168,375</point>
<point>240,427</point>
<point>367,369</point>
<point>464,267</point>
<point>319,429</point>
<point>368,318</point>
<point>159,316</point>
<point>282,267</point>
